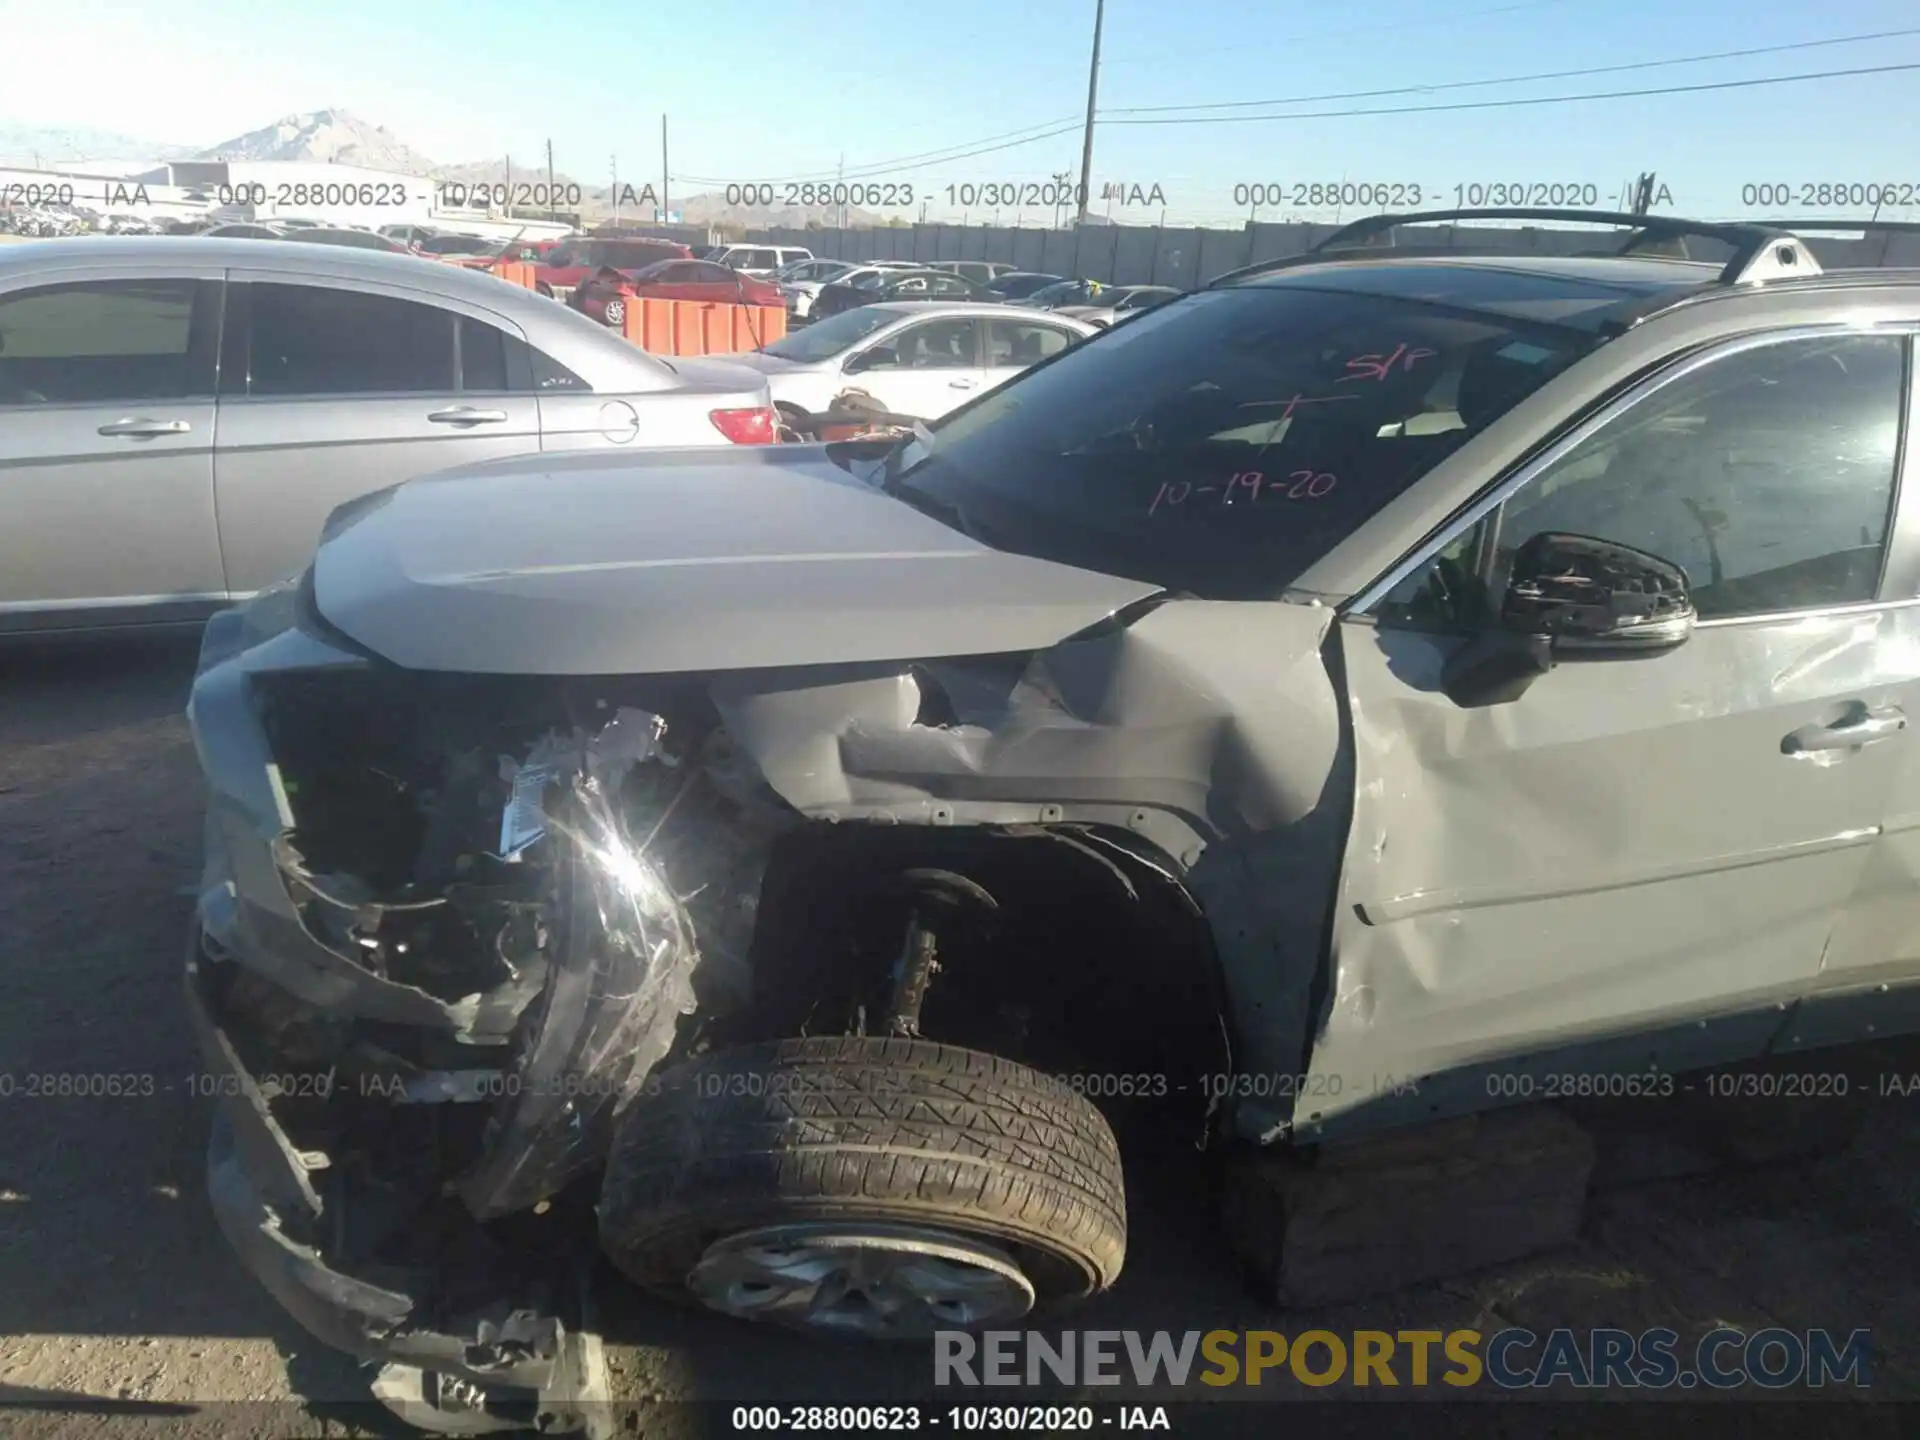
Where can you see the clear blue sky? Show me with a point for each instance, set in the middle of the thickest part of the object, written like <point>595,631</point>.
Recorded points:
<point>758,90</point>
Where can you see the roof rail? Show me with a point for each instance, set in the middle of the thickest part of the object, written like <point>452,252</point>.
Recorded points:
<point>1760,251</point>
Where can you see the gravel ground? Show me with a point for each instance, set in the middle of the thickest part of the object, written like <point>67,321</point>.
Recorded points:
<point>121,1309</point>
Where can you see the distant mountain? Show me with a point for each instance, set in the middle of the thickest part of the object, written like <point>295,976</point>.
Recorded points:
<point>323,137</point>
<point>50,145</point>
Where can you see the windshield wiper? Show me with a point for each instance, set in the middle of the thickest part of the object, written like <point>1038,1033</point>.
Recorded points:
<point>892,472</point>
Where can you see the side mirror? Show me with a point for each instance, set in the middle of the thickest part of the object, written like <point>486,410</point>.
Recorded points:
<point>1589,594</point>
<point>880,357</point>
<point>1571,597</point>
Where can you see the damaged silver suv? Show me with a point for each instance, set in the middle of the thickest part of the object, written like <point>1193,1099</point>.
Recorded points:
<point>1350,694</point>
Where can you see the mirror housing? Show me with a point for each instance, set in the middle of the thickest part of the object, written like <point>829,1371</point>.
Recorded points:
<point>1570,597</point>
<point>1589,594</point>
<point>871,359</point>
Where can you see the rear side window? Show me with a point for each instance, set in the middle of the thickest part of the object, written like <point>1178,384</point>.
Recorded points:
<point>550,376</point>
<point>1013,342</point>
<point>311,340</point>
<point>99,341</point>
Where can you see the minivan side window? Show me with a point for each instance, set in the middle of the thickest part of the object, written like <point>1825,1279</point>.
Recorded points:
<point>1767,474</point>
<point>98,341</point>
<point>311,340</point>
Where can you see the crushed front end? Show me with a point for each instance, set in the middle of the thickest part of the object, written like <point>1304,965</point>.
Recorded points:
<point>447,926</point>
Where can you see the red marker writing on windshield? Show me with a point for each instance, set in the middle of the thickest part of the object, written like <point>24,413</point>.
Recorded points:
<point>1376,367</point>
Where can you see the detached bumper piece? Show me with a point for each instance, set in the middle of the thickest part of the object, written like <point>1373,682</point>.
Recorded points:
<point>420,1064</point>
<point>475,1331</point>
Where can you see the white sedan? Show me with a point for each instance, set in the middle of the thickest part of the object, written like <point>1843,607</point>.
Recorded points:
<point>913,357</point>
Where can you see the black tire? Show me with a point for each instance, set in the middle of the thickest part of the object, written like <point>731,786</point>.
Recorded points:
<point>850,1129</point>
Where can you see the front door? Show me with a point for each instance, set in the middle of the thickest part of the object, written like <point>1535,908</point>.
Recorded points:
<point>342,390</point>
<point>926,369</point>
<point>1638,864</point>
<point>106,465</point>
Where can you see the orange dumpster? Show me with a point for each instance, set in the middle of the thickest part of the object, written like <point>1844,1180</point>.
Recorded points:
<point>700,327</point>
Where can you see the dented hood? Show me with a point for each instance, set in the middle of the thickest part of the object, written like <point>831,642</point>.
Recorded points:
<point>677,560</point>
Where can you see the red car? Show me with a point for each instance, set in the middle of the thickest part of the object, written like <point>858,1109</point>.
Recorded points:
<point>572,261</point>
<point>529,252</point>
<point>604,295</point>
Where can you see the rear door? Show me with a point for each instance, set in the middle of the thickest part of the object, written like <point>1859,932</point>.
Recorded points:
<point>1641,862</point>
<point>926,369</point>
<point>333,388</point>
<point>106,449</point>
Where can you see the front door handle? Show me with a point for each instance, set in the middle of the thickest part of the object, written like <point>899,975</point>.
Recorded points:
<point>1862,726</point>
<point>960,384</point>
<point>141,428</point>
<point>467,415</point>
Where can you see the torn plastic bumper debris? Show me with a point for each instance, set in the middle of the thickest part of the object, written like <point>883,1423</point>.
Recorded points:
<point>394,1164</point>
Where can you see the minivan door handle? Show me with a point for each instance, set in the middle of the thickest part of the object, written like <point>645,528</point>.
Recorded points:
<point>141,428</point>
<point>466,415</point>
<point>1862,726</point>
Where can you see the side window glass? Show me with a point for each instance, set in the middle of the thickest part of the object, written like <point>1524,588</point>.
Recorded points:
<point>937,345</point>
<point>1768,475</point>
<point>103,340</point>
<point>1445,594</point>
<point>550,376</point>
<point>1013,344</point>
<point>311,340</point>
<point>483,356</point>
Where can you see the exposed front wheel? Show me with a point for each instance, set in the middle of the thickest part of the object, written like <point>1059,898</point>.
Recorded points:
<point>883,1188</point>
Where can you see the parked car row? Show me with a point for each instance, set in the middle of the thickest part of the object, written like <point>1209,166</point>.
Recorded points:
<point>816,289</point>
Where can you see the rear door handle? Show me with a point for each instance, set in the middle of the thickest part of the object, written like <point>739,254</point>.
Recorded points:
<point>141,428</point>
<point>1862,727</point>
<point>467,415</point>
<point>960,384</point>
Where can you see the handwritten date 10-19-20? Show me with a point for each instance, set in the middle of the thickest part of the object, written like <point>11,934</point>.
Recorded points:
<point>1248,486</point>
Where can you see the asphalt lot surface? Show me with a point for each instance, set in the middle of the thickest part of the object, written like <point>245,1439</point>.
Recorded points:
<point>121,1308</point>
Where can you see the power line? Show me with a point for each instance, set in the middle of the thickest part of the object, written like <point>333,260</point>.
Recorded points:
<point>1049,130</point>
<point>933,157</point>
<point>1536,100</point>
<point>1519,79</point>
<point>1384,26</point>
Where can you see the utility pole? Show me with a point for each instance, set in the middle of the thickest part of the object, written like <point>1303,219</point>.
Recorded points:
<point>839,175</point>
<point>665,206</point>
<point>1093,90</point>
<point>613,190</point>
<point>550,209</point>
